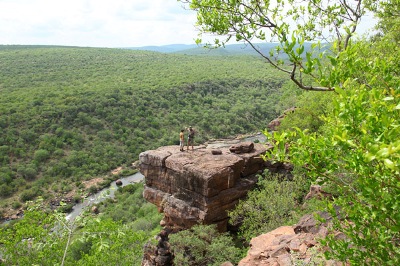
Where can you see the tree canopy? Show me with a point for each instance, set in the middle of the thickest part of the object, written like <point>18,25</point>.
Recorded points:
<point>291,24</point>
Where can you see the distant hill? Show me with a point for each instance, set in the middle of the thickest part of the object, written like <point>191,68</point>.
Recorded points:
<point>232,49</point>
<point>193,49</point>
<point>170,48</point>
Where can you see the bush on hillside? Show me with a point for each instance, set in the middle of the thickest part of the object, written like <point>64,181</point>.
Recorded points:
<point>203,245</point>
<point>270,205</point>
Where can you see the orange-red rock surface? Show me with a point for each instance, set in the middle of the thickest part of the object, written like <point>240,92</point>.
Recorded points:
<point>200,186</point>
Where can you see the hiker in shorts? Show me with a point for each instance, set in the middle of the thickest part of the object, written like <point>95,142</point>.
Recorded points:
<point>181,141</point>
<point>190,138</point>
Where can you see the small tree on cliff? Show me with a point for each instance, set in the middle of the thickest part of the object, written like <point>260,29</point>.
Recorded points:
<point>357,151</point>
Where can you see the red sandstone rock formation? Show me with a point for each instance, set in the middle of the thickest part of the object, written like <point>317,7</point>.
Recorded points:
<point>197,186</point>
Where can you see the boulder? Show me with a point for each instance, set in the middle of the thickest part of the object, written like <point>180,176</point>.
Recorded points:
<point>216,152</point>
<point>95,209</point>
<point>309,224</point>
<point>242,147</point>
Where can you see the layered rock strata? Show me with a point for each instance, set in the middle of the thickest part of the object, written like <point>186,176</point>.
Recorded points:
<point>200,185</point>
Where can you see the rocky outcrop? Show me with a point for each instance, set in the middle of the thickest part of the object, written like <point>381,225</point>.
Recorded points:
<point>200,185</point>
<point>291,245</point>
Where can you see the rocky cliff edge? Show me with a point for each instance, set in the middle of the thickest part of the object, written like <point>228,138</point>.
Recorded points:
<point>201,185</point>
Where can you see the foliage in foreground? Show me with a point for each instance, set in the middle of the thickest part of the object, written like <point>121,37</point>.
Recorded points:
<point>357,150</point>
<point>129,206</point>
<point>358,153</point>
<point>203,245</point>
<point>310,106</point>
<point>46,238</point>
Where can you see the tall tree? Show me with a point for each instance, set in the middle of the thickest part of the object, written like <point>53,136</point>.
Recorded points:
<point>290,23</point>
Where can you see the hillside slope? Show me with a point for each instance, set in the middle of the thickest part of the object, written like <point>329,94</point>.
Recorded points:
<point>69,114</point>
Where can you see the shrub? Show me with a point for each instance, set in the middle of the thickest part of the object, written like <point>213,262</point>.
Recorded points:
<point>29,171</point>
<point>16,205</point>
<point>105,183</point>
<point>58,153</point>
<point>203,245</point>
<point>77,198</point>
<point>131,188</point>
<point>93,189</point>
<point>41,155</point>
<point>29,194</point>
<point>269,206</point>
<point>66,208</point>
<point>5,190</point>
<point>80,248</point>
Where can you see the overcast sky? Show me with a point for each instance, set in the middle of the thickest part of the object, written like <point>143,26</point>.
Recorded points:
<point>96,23</point>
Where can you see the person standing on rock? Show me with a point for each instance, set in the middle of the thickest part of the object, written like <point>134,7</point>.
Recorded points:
<point>190,138</point>
<point>181,141</point>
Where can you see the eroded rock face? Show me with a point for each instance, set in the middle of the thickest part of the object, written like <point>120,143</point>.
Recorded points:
<point>199,186</point>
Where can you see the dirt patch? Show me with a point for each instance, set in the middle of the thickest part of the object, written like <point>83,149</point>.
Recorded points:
<point>92,182</point>
<point>116,171</point>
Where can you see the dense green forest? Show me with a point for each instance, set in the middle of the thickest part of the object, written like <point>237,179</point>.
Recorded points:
<point>69,114</point>
<point>346,140</point>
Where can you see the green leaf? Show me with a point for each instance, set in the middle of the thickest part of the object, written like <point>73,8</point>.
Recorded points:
<point>390,98</point>
<point>383,152</point>
<point>389,164</point>
<point>370,157</point>
<point>339,90</point>
<point>333,60</point>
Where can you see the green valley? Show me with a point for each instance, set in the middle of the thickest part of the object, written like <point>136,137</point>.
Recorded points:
<point>70,114</point>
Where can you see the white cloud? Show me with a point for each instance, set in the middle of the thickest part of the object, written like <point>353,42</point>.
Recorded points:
<point>100,23</point>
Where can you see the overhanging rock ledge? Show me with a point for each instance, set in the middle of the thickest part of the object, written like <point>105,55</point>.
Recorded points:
<point>201,185</point>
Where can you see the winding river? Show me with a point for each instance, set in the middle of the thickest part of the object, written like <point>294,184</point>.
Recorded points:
<point>102,195</point>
